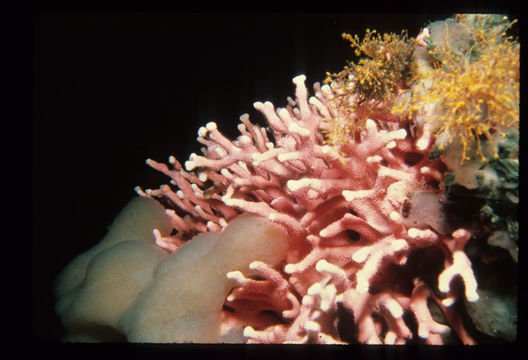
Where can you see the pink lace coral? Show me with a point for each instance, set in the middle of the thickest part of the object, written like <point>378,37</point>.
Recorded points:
<point>347,220</point>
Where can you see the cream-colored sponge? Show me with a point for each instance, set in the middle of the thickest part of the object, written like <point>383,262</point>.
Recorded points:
<point>184,301</point>
<point>114,278</point>
<point>135,222</point>
<point>126,287</point>
<point>97,286</point>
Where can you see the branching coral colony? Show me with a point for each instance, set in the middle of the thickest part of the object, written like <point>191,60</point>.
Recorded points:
<point>366,213</point>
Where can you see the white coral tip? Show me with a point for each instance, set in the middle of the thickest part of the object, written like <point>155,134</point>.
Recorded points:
<point>390,338</point>
<point>362,285</point>
<point>370,124</point>
<point>394,307</point>
<point>361,255</point>
<point>283,113</point>
<point>399,244</point>
<point>472,296</point>
<point>326,89</point>
<point>394,216</point>
<point>312,326</point>
<point>249,332</point>
<point>289,269</point>
<point>448,301</point>
<point>423,332</point>
<point>323,265</point>
<point>307,300</point>
<point>374,159</point>
<point>413,232</point>
<point>294,185</point>
<point>400,134</point>
<point>211,126</point>
<point>234,275</point>
<point>295,128</point>
<point>202,131</point>
<point>189,165</point>
<point>220,151</point>
<point>314,289</point>
<point>422,144</point>
<point>316,315</point>
<point>299,78</point>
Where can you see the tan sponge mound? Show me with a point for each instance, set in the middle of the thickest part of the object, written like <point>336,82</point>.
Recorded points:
<point>126,287</point>
<point>135,222</point>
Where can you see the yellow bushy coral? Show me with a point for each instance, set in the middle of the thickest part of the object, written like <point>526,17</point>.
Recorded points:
<point>363,89</point>
<point>470,93</point>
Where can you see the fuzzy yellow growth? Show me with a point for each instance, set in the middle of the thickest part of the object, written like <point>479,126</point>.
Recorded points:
<point>362,90</point>
<point>469,94</point>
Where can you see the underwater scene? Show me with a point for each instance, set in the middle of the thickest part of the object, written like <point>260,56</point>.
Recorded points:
<point>376,204</point>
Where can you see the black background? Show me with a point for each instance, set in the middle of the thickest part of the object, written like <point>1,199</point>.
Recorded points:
<point>112,89</point>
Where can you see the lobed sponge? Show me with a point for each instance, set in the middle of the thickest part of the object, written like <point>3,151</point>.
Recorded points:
<point>114,278</point>
<point>135,222</point>
<point>184,301</point>
<point>126,287</point>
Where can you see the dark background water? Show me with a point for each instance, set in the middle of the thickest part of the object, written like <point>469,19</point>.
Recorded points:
<point>112,89</point>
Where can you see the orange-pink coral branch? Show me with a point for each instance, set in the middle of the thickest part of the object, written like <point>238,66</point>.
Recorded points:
<point>344,217</point>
